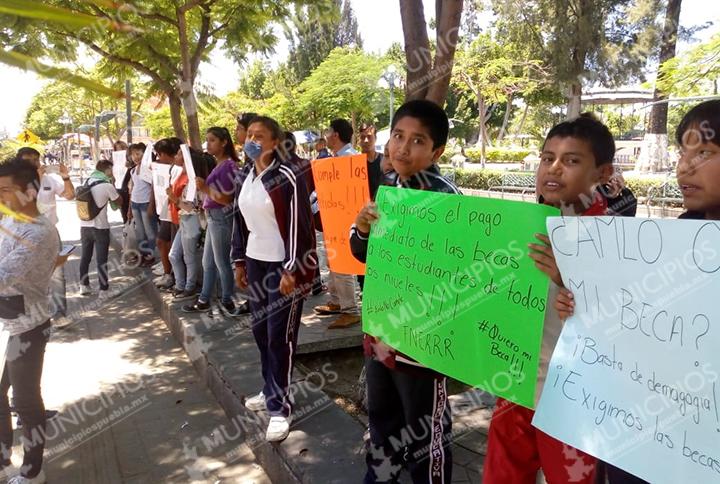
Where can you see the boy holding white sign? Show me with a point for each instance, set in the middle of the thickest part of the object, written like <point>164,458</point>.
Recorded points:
<point>698,175</point>
<point>405,397</point>
<point>577,155</point>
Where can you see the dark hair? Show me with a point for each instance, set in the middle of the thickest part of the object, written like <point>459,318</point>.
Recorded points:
<point>120,145</point>
<point>103,165</point>
<point>168,146</point>
<point>343,128</point>
<point>224,135</point>
<point>244,119</point>
<point>366,126</point>
<point>23,173</point>
<point>431,116</point>
<point>203,163</point>
<point>272,125</point>
<point>27,151</point>
<point>705,119</point>
<point>290,143</point>
<point>588,128</point>
<point>137,147</point>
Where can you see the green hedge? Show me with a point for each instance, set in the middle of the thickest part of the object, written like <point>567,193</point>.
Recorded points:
<point>497,155</point>
<point>478,179</point>
<point>484,179</point>
<point>640,186</point>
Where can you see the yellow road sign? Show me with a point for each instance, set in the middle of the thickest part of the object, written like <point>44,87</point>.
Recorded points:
<point>28,137</point>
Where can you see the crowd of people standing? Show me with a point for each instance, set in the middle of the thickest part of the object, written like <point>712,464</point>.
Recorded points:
<point>241,219</point>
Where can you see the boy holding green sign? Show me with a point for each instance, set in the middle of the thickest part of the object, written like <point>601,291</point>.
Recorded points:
<point>405,397</point>
<point>577,155</point>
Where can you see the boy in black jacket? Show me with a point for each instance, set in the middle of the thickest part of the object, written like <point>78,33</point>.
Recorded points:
<point>408,410</point>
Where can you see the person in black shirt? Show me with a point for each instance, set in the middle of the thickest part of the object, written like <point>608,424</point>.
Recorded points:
<point>620,199</point>
<point>368,138</point>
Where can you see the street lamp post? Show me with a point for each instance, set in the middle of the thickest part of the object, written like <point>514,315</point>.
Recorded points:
<point>66,121</point>
<point>389,80</point>
<point>102,118</point>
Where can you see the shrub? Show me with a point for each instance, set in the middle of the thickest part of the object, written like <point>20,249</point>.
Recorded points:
<point>484,179</point>
<point>497,155</point>
<point>477,179</point>
<point>640,186</point>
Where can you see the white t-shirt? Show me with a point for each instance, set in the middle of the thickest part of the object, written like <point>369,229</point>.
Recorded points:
<point>103,193</point>
<point>141,189</point>
<point>264,243</point>
<point>51,186</point>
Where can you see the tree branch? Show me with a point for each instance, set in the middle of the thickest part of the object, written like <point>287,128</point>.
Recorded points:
<point>201,44</point>
<point>162,83</point>
<point>195,3</point>
<point>158,17</point>
<point>162,59</point>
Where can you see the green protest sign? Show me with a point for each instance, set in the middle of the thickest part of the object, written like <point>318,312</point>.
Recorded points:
<point>449,283</point>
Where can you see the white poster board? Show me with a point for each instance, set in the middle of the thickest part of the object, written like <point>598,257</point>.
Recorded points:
<point>190,170</point>
<point>634,377</point>
<point>161,182</point>
<point>4,340</point>
<point>119,159</point>
<point>146,164</point>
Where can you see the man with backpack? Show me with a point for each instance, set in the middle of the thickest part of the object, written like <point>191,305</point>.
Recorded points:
<point>92,199</point>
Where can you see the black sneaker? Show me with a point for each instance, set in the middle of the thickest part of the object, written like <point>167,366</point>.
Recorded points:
<point>196,307</point>
<point>49,415</point>
<point>243,308</point>
<point>183,294</point>
<point>232,311</point>
<point>228,308</point>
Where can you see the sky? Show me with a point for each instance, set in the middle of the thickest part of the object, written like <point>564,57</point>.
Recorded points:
<point>379,24</point>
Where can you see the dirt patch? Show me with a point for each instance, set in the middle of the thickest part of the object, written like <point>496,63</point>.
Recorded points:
<point>345,390</point>
<point>347,364</point>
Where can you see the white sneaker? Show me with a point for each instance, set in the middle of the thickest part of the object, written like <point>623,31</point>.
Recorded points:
<point>85,291</point>
<point>165,281</point>
<point>278,429</point>
<point>256,403</point>
<point>158,269</point>
<point>39,479</point>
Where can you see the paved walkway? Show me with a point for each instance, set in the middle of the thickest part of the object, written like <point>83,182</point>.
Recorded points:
<point>132,408</point>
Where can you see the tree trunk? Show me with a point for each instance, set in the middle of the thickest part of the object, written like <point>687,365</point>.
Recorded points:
<point>574,100</point>
<point>658,114</point>
<point>482,115</point>
<point>506,119</point>
<point>425,80</point>
<point>186,84</point>
<point>579,55</point>
<point>353,123</point>
<point>448,28</point>
<point>654,152</point>
<point>521,126</point>
<point>191,112</point>
<point>417,48</point>
<point>176,115</point>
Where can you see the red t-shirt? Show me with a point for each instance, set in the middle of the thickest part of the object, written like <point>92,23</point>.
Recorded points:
<point>177,190</point>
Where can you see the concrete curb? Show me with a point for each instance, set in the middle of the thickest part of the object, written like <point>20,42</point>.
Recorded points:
<point>325,443</point>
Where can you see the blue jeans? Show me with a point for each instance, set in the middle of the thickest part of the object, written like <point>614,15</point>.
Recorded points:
<point>183,254</point>
<point>145,228</point>
<point>216,255</point>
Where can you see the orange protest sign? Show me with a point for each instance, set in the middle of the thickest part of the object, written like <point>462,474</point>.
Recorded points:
<point>342,189</point>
